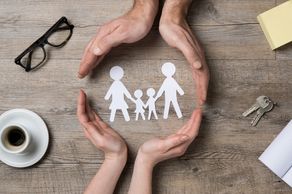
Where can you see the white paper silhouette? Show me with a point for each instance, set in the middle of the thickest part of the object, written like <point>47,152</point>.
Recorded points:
<point>139,104</point>
<point>117,91</point>
<point>151,103</point>
<point>170,88</point>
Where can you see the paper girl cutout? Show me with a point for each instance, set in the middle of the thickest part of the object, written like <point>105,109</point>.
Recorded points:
<point>117,91</point>
<point>151,103</point>
<point>170,88</point>
<point>139,104</point>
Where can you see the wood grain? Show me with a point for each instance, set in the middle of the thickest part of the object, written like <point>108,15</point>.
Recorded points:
<point>222,160</point>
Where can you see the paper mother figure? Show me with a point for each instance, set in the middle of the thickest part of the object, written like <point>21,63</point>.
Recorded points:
<point>117,91</point>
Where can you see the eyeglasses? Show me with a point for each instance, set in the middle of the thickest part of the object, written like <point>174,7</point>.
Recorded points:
<point>35,55</point>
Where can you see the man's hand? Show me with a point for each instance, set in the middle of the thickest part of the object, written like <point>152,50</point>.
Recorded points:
<point>176,32</point>
<point>160,149</point>
<point>99,133</point>
<point>128,28</point>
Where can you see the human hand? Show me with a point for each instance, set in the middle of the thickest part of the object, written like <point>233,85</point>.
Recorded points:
<point>160,149</point>
<point>128,28</point>
<point>99,133</point>
<point>176,32</point>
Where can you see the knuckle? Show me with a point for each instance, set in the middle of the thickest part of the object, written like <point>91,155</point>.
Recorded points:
<point>180,151</point>
<point>101,143</point>
<point>124,34</point>
<point>161,147</point>
<point>162,27</point>
<point>103,125</point>
<point>196,134</point>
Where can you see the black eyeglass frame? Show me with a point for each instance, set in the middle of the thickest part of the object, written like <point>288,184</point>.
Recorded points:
<point>42,41</point>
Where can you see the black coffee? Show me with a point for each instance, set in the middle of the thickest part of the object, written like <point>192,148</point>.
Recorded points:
<point>16,137</point>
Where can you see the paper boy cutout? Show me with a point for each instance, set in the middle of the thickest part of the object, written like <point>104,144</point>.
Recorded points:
<point>151,103</point>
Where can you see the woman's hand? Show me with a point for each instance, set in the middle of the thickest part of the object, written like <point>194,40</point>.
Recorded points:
<point>99,133</point>
<point>160,149</point>
<point>106,140</point>
<point>128,28</point>
<point>176,32</point>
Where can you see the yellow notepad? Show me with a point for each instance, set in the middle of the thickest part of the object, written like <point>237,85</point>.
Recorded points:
<point>277,24</point>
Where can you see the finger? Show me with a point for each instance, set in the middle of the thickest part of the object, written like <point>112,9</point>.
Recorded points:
<point>178,150</point>
<point>183,128</point>
<point>175,140</point>
<point>104,126</point>
<point>100,122</point>
<point>190,53</point>
<point>94,132</point>
<point>89,111</point>
<point>87,135</point>
<point>102,46</point>
<point>81,108</point>
<point>192,127</point>
<point>202,81</point>
<point>194,122</point>
<point>88,61</point>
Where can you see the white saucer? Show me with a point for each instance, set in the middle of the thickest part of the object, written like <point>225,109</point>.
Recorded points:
<point>39,134</point>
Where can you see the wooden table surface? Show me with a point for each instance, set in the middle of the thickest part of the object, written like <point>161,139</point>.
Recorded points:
<point>223,159</point>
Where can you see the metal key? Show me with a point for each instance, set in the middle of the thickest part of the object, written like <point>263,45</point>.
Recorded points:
<point>261,101</point>
<point>260,113</point>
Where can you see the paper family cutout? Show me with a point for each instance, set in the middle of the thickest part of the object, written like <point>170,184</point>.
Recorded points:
<point>118,91</point>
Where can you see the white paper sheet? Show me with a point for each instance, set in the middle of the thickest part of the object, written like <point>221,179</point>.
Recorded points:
<point>278,156</point>
<point>288,177</point>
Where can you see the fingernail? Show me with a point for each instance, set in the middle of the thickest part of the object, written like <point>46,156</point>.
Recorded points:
<point>80,76</point>
<point>197,65</point>
<point>97,51</point>
<point>184,138</point>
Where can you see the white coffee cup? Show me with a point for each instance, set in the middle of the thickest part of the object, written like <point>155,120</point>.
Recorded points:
<point>14,139</point>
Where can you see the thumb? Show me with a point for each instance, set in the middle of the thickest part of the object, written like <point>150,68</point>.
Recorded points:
<point>103,46</point>
<point>175,140</point>
<point>190,54</point>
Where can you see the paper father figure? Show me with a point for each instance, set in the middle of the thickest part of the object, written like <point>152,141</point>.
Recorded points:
<point>170,88</point>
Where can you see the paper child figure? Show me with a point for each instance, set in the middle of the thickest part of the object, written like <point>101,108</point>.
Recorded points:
<point>117,91</point>
<point>170,88</point>
<point>139,104</point>
<point>151,103</point>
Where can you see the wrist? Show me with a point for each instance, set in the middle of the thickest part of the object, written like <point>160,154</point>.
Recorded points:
<point>175,11</point>
<point>147,9</point>
<point>144,160</point>
<point>117,159</point>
